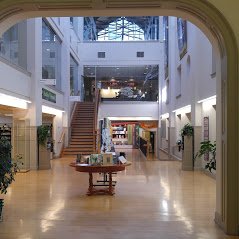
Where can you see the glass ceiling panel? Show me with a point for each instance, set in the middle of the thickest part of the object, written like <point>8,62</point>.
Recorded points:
<point>121,28</point>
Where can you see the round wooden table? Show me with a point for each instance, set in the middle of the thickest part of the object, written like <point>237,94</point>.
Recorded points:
<point>109,169</point>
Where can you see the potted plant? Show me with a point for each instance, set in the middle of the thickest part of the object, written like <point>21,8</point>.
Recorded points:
<point>8,168</point>
<point>187,130</point>
<point>42,134</point>
<point>187,133</point>
<point>208,148</point>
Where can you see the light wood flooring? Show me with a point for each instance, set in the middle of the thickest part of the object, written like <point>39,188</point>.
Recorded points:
<point>153,200</point>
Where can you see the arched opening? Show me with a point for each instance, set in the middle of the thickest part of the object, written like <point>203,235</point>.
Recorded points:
<point>216,28</point>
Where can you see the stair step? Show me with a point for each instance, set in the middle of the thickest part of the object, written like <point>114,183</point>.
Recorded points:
<point>83,141</point>
<point>77,125</point>
<point>85,113</point>
<point>82,125</point>
<point>90,130</point>
<point>84,121</point>
<point>82,130</point>
<point>82,137</point>
<point>79,148</point>
<point>75,150</point>
<point>74,154</point>
<point>90,144</point>
<point>77,136</point>
<point>83,117</point>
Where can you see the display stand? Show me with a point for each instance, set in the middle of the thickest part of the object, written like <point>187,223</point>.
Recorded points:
<point>109,169</point>
<point>123,134</point>
<point>21,143</point>
<point>5,131</point>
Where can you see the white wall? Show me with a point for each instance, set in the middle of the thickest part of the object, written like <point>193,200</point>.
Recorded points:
<point>119,53</point>
<point>129,109</point>
<point>14,81</point>
<point>196,67</point>
<point>197,83</point>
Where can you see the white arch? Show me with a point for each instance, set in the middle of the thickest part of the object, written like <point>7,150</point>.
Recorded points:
<point>216,28</point>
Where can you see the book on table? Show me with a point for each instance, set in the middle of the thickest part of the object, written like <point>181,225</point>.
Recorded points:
<point>122,159</point>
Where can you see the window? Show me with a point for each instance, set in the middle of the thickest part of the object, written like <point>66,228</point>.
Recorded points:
<point>124,83</point>
<point>178,82</point>
<point>51,54</point>
<point>167,91</point>
<point>121,28</point>
<point>140,54</point>
<point>73,76</point>
<point>74,24</point>
<point>166,46</point>
<point>9,45</point>
<point>101,54</point>
<point>71,21</point>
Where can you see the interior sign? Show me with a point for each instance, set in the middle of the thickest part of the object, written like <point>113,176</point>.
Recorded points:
<point>48,95</point>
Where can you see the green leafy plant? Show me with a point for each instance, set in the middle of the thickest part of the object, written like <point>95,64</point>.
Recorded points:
<point>207,147</point>
<point>187,130</point>
<point>8,166</point>
<point>42,134</point>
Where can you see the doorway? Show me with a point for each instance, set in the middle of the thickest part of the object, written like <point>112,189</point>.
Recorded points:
<point>222,37</point>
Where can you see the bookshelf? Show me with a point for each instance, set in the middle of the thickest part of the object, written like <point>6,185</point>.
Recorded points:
<point>123,134</point>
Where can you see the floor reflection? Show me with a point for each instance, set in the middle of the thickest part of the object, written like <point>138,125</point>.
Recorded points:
<point>154,199</point>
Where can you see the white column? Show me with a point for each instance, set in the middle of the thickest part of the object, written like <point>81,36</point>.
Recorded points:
<point>34,65</point>
<point>65,79</point>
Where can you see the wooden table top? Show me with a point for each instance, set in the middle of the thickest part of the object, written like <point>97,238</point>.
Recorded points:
<point>100,168</point>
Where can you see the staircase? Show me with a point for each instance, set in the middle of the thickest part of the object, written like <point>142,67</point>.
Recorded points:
<point>82,131</point>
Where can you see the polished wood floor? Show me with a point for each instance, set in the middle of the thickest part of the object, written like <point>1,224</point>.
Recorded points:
<point>153,200</point>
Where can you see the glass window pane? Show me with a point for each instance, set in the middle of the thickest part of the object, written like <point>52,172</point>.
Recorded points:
<point>13,44</point>
<point>73,76</point>
<point>51,55</point>
<point>121,28</point>
<point>125,83</point>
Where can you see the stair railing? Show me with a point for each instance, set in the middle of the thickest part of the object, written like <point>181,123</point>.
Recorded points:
<point>62,141</point>
<point>71,119</point>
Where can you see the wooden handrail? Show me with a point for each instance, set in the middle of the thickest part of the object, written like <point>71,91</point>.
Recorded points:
<point>73,111</point>
<point>62,136</point>
<point>62,141</point>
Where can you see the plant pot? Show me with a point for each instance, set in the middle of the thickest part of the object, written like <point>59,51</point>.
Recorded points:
<point>44,158</point>
<point>187,155</point>
<point>1,209</point>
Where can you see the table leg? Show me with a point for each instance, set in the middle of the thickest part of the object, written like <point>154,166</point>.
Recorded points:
<point>111,188</point>
<point>90,189</point>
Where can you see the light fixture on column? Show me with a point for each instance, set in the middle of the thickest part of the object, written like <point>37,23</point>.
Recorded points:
<point>183,110</point>
<point>211,100</point>
<point>51,110</point>
<point>208,102</point>
<point>13,101</point>
<point>165,116</point>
